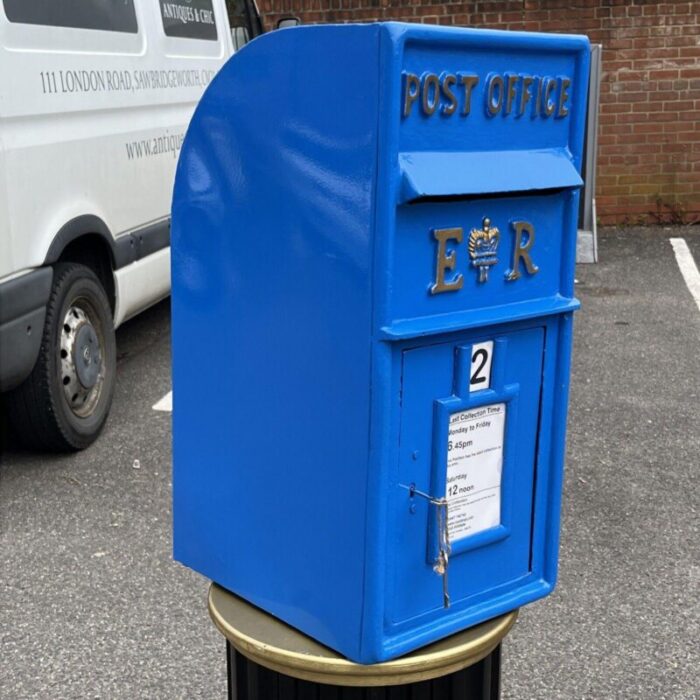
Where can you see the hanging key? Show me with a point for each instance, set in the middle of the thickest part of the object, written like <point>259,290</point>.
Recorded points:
<point>443,560</point>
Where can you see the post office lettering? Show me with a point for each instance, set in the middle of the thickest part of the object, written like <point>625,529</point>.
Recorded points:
<point>510,94</point>
<point>448,91</point>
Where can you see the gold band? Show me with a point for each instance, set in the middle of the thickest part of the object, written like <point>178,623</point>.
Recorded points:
<point>271,643</point>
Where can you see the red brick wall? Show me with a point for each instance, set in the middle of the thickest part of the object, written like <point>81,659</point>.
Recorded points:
<point>649,139</point>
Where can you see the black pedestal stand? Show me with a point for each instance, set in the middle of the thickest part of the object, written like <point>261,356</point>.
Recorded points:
<point>267,660</point>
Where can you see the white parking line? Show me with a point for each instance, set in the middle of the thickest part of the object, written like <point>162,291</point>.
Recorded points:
<point>165,404</point>
<point>689,269</point>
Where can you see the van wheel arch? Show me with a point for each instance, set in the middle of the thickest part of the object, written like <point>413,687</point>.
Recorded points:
<point>88,241</point>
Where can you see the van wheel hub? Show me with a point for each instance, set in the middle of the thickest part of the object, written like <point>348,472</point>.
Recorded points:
<point>82,369</point>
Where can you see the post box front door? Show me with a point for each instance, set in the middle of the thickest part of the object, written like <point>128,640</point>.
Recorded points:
<point>469,426</point>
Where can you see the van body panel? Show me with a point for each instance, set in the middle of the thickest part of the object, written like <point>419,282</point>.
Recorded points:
<point>95,130</point>
<point>139,283</point>
<point>91,125</point>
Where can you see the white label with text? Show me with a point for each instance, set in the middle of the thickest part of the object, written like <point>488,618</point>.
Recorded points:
<point>474,468</point>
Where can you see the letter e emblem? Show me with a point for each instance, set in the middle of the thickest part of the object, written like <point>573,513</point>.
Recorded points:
<point>446,261</point>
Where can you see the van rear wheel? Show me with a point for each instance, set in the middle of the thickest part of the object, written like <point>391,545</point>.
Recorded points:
<point>64,403</point>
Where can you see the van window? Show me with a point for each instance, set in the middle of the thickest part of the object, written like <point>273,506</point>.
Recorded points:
<point>189,19</point>
<point>106,15</point>
<point>239,22</point>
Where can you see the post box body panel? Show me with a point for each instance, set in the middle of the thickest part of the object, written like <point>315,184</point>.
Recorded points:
<point>372,307</point>
<point>272,310</point>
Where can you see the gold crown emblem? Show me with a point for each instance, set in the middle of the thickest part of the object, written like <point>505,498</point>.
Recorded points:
<point>483,246</point>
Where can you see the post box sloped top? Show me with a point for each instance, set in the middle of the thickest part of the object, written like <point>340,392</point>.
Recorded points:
<point>435,111</point>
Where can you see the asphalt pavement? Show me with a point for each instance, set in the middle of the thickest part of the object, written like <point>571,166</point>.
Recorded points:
<point>92,605</point>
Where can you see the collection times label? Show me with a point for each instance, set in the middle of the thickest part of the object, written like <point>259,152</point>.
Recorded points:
<point>474,469</point>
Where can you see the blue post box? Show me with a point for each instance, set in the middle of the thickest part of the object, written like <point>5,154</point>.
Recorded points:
<point>373,247</point>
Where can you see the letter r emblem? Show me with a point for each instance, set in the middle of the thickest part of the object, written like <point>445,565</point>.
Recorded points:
<point>521,250</point>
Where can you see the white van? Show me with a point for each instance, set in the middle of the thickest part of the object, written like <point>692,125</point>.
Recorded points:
<point>95,97</point>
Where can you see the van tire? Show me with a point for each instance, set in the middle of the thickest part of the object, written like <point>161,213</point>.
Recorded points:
<point>63,405</point>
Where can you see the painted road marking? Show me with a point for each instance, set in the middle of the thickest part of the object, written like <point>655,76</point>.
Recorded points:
<point>165,404</point>
<point>689,269</point>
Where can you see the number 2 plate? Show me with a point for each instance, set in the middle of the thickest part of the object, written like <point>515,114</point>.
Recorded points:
<point>480,371</point>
